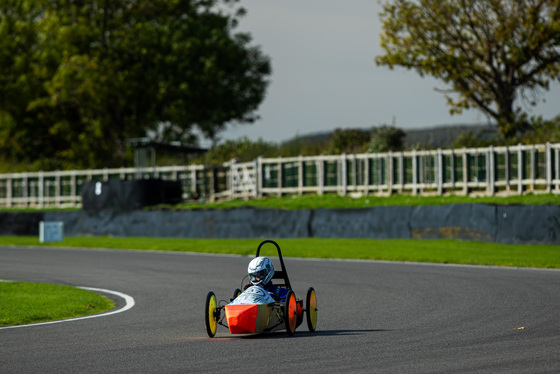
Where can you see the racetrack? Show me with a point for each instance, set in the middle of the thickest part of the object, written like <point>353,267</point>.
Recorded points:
<point>373,317</point>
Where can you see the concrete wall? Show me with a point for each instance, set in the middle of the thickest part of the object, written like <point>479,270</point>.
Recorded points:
<point>481,222</point>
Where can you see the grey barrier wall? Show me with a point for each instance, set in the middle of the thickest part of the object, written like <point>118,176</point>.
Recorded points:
<point>479,222</point>
<point>215,224</point>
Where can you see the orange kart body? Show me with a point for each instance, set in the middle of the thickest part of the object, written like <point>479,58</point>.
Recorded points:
<point>258,318</point>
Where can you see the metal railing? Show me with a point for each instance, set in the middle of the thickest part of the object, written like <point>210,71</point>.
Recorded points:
<point>487,171</point>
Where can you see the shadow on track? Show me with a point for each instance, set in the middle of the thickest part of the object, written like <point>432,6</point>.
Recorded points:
<point>307,334</point>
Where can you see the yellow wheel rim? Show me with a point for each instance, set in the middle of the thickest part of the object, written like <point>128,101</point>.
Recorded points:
<point>211,322</point>
<point>313,309</point>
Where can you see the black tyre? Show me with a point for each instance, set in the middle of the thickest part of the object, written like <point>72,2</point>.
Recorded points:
<point>236,293</point>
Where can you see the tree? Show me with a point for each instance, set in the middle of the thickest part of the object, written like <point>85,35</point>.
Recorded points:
<point>349,141</point>
<point>19,128</point>
<point>101,72</point>
<point>494,55</point>
<point>386,138</point>
<point>242,149</point>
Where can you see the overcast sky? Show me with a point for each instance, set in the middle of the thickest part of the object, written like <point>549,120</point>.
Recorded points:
<point>324,76</point>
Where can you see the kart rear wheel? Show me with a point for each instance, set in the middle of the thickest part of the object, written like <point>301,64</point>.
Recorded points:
<point>290,313</point>
<point>210,313</point>
<point>236,293</point>
<point>311,308</point>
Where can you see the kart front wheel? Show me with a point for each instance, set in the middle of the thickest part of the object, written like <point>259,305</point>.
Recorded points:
<point>236,293</point>
<point>290,313</point>
<point>211,314</point>
<point>311,308</point>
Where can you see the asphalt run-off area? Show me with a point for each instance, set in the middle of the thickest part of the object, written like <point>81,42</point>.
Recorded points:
<point>373,317</point>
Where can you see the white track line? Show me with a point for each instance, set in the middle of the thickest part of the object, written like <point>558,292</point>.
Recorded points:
<point>129,300</point>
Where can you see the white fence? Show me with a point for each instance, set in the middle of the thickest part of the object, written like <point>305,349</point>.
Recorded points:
<point>494,170</point>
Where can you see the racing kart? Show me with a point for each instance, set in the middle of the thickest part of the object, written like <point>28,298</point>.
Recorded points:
<point>253,311</point>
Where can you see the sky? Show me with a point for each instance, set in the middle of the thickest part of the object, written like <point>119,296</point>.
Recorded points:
<point>324,76</point>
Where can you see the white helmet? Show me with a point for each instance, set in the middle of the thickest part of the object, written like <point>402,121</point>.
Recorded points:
<point>260,271</point>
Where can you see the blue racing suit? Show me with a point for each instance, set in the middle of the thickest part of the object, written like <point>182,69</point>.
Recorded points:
<point>277,293</point>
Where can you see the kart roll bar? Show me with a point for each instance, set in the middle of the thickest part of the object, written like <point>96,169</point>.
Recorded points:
<point>278,274</point>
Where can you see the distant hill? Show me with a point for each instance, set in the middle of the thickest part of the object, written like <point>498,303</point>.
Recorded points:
<point>441,136</point>
<point>427,138</point>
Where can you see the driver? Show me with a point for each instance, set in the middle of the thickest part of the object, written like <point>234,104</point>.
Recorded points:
<point>260,271</point>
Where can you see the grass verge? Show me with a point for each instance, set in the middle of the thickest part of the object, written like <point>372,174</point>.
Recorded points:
<point>24,303</point>
<point>335,201</point>
<point>436,251</point>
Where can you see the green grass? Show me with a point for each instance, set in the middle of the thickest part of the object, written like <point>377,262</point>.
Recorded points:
<point>23,303</point>
<point>336,201</point>
<point>340,202</point>
<point>436,251</point>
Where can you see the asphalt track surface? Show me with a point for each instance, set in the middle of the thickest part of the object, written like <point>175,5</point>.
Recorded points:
<point>373,317</point>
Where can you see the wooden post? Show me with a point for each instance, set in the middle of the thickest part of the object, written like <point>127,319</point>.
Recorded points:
<point>414,173</point>
<point>439,172</point>
<point>320,176</point>
<point>507,168</point>
<point>465,172</point>
<point>548,167</point>
<point>280,177</point>
<point>490,174</point>
<point>9,191</point>
<point>519,170</point>
<point>390,173</point>
<point>342,175</point>
<point>300,175</point>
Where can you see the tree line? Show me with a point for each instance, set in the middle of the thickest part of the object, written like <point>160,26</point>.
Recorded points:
<point>378,139</point>
<point>79,78</point>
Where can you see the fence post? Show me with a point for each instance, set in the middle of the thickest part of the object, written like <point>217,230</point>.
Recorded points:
<point>532,169</point>
<point>41,190</point>
<point>548,167</point>
<point>465,172</point>
<point>300,175</point>
<point>280,177</point>
<point>414,173</point>
<point>320,176</point>
<point>9,191</point>
<point>452,175</point>
<point>491,171</point>
<point>57,188</point>
<point>231,178</point>
<point>390,172</point>
<point>519,170</point>
<point>74,188</point>
<point>439,172</point>
<point>354,173</point>
<point>259,177</point>
<point>557,167</point>
<point>366,174</point>
<point>507,168</point>
<point>342,175</point>
<point>401,172</point>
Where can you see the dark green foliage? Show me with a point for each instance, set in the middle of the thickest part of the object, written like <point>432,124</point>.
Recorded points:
<point>495,56</point>
<point>349,141</point>
<point>242,150</point>
<point>386,138</point>
<point>81,78</point>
